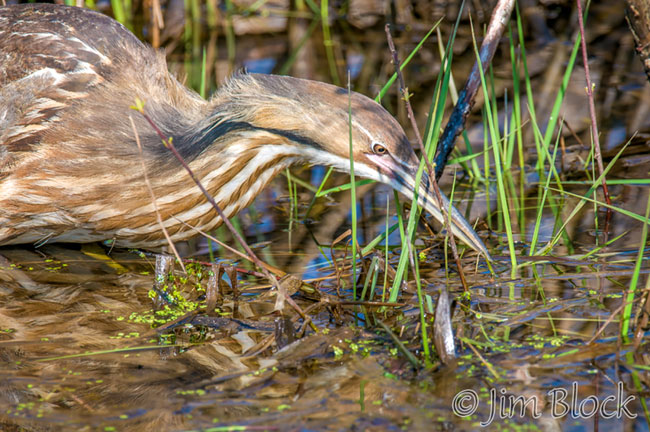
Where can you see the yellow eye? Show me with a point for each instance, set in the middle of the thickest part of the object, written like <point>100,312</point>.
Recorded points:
<point>379,149</point>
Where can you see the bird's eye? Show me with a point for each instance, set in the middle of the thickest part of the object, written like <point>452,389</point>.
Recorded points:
<point>379,149</point>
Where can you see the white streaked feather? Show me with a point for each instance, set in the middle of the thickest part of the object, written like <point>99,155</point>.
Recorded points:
<point>85,47</point>
<point>39,35</point>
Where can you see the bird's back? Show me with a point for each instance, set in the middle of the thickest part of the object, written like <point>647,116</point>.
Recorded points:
<point>51,60</point>
<point>65,39</point>
<point>68,77</point>
<point>59,64</point>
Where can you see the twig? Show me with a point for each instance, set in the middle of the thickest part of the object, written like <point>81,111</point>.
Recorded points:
<point>168,143</point>
<point>274,270</point>
<point>592,115</point>
<point>153,197</point>
<point>432,178</point>
<point>602,328</point>
<point>409,355</point>
<point>456,123</point>
<point>487,364</point>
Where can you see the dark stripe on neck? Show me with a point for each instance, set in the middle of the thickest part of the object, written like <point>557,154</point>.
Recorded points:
<point>293,136</point>
<point>191,145</point>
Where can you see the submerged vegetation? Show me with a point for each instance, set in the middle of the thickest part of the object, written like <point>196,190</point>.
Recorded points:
<point>86,343</point>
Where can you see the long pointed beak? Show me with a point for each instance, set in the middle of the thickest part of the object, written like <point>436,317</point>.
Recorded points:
<point>428,200</point>
<point>402,179</point>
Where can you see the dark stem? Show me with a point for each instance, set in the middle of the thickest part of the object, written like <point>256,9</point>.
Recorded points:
<point>638,18</point>
<point>456,123</point>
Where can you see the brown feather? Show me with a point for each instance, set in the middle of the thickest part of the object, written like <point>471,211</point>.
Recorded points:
<point>70,169</point>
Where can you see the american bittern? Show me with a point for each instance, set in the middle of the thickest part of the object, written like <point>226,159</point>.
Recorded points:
<point>70,169</point>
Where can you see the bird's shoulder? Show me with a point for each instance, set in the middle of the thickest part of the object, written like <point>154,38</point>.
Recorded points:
<point>60,68</point>
<point>64,39</point>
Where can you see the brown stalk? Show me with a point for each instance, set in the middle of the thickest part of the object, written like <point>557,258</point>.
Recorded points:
<point>637,14</point>
<point>432,177</point>
<point>592,116</point>
<point>157,22</point>
<point>168,144</point>
<point>276,271</point>
<point>153,197</point>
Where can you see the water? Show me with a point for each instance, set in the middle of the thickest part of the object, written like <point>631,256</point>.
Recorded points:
<point>87,343</point>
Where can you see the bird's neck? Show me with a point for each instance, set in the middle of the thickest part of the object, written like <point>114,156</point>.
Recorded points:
<point>233,173</point>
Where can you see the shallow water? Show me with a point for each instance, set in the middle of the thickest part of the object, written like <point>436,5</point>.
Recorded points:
<point>78,350</point>
<point>86,344</point>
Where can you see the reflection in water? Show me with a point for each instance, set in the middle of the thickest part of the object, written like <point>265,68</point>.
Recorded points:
<point>77,350</point>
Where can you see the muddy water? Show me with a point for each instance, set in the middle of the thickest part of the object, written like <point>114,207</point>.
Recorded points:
<point>84,346</point>
<point>80,347</point>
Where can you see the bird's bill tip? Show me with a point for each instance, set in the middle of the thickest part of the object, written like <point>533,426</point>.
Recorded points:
<point>428,200</point>
<point>401,176</point>
<point>460,227</point>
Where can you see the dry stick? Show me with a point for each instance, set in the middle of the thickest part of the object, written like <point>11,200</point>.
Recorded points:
<point>153,197</point>
<point>637,14</point>
<point>168,143</point>
<point>456,122</point>
<point>605,324</point>
<point>269,267</point>
<point>157,23</point>
<point>592,115</point>
<point>432,177</point>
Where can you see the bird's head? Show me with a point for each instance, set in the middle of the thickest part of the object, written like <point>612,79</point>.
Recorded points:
<point>315,118</point>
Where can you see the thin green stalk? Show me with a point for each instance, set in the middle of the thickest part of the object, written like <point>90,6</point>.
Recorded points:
<point>330,170</point>
<point>588,199</point>
<point>327,41</point>
<point>555,112</point>
<point>374,242</point>
<point>373,285</point>
<point>541,204</point>
<point>372,274</point>
<point>415,50</point>
<point>552,201</point>
<point>516,100</point>
<point>402,234</point>
<point>487,172</point>
<point>203,85</point>
<point>432,133</point>
<point>583,201</point>
<point>353,190</point>
<point>629,299</point>
<point>423,317</point>
<point>597,249</point>
<point>493,128</point>
<point>302,183</point>
<point>296,205</point>
<point>292,200</point>
<point>343,187</point>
